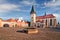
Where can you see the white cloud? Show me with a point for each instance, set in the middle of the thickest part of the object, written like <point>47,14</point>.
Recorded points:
<point>27,2</point>
<point>52,3</point>
<point>3,1</point>
<point>7,6</point>
<point>57,17</point>
<point>53,0</point>
<point>53,6</point>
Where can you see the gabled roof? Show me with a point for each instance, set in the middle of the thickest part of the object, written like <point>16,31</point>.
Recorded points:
<point>40,17</point>
<point>41,21</point>
<point>43,17</point>
<point>13,20</point>
<point>46,16</point>
<point>10,20</point>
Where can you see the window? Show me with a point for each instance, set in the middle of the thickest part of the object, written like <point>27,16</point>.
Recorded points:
<point>32,20</point>
<point>50,22</point>
<point>32,17</point>
<point>38,24</point>
<point>46,21</point>
<point>54,21</point>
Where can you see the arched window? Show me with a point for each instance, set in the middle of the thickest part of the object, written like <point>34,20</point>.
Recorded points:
<point>46,21</point>
<point>54,21</point>
<point>38,24</point>
<point>50,22</point>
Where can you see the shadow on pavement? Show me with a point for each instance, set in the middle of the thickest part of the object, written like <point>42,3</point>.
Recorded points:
<point>21,31</point>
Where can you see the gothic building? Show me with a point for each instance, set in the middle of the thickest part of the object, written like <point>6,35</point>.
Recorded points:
<point>33,16</point>
<point>42,21</point>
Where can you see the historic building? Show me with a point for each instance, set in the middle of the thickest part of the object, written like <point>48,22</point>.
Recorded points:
<point>13,23</point>
<point>47,20</point>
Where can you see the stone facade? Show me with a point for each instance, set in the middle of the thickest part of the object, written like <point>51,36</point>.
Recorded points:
<point>32,17</point>
<point>42,21</point>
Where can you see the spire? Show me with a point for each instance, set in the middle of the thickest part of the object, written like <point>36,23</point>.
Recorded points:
<point>32,10</point>
<point>45,13</point>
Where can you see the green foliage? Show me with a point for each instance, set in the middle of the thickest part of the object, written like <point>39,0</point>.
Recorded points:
<point>58,23</point>
<point>28,23</point>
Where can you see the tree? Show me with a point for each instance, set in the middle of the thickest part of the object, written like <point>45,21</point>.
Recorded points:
<point>28,23</point>
<point>58,23</point>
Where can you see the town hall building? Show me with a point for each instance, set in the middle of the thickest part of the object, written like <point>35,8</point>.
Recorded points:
<point>47,20</point>
<point>13,23</point>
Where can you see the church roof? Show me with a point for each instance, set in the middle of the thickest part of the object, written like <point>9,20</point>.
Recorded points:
<point>41,21</point>
<point>32,10</point>
<point>46,16</point>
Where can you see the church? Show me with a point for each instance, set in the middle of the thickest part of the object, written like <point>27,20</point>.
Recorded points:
<point>47,20</point>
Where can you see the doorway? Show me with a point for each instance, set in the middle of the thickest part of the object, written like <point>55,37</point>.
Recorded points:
<point>6,25</point>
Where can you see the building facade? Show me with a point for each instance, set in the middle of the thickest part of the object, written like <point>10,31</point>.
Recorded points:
<point>13,23</point>
<point>42,21</point>
<point>33,17</point>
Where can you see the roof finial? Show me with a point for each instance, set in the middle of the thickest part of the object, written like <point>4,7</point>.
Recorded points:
<point>33,2</point>
<point>32,10</point>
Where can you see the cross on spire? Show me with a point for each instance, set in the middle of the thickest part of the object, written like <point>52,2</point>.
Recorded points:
<point>32,10</point>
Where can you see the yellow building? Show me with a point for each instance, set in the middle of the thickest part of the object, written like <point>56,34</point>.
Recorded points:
<point>13,23</point>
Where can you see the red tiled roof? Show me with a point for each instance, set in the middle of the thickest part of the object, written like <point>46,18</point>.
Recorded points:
<point>43,17</point>
<point>9,20</point>
<point>40,17</point>
<point>47,16</point>
<point>12,20</point>
<point>40,21</point>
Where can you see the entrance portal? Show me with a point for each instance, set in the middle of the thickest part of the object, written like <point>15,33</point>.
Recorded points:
<point>6,25</point>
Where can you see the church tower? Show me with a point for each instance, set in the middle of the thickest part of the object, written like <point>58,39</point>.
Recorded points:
<point>33,17</point>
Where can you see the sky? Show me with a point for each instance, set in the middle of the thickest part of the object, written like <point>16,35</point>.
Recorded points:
<point>22,8</point>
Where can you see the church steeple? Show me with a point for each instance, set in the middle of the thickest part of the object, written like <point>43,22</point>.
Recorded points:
<point>32,10</point>
<point>45,13</point>
<point>33,16</point>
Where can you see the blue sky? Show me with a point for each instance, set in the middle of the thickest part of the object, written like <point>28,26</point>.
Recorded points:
<point>22,8</point>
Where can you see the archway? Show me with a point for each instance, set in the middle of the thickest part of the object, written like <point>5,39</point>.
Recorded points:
<point>6,25</point>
